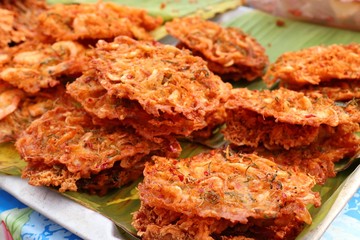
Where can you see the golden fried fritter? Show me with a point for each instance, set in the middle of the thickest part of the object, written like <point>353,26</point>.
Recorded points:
<point>245,127</point>
<point>111,178</point>
<point>162,78</point>
<point>222,187</point>
<point>100,183</point>
<point>337,90</point>
<point>32,66</point>
<point>229,51</point>
<point>162,91</point>
<point>96,21</point>
<point>19,20</point>
<point>28,109</point>
<point>97,101</point>
<point>157,223</point>
<point>273,118</point>
<point>10,98</point>
<point>44,175</point>
<point>288,106</point>
<point>94,98</point>
<point>316,159</point>
<point>315,65</point>
<point>353,109</point>
<point>65,142</point>
<point>7,31</point>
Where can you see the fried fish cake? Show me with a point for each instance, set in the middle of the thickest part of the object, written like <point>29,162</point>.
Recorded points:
<point>229,51</point>
<point>315,65</point>
<point>224,186</point>
<point>65,141</point>
<point>96,21</point>
<point>162,78</point>
<point>32,66</point>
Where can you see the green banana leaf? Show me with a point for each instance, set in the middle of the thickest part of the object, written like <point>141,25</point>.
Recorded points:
<point>10,161</point>
<point>119,204</point>
<point>170,9</point>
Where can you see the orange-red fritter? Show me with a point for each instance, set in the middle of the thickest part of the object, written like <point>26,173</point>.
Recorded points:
<point>10,98</point>
<point>7,31</point>
<point>65,144</point>
<point>337,90</point>
<point>315,65</point>
<point>316,159</point>
<point>273,118</point>
<point>288,106</point>
<point>162,78</point>
<point>33,65</point>
<point>230,52</point>
<point>173,91</point>
<point>18,20</point>
<point>224,187</point>
<point>101,20</point>
<point>97,101</point>
<point>353,109</point>
<point>28,109</point>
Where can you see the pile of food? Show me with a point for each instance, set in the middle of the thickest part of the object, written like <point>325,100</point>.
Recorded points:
<point>296,131</point>
<point>93,103</point>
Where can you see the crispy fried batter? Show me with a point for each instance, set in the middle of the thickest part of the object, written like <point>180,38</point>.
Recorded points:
<point>100,183</point>
<point>44,175</point>
<point>96,100</point>
<point>66,138</point>
<point>337,90</point>
<point>288,106</point>
<point>222,186</point>
<point>28,109</point>
<point>353,109</point>
<point>316,159</point>
<point>159,90</point>
<point>229,51</point>
<point>273,118</point>
<point>32,66</point>
<point>228,186</point>
<point>156,223</point>
<point>19,20</point>
<point>245,127</point>
<point>315,65</point>
<point>162,78</point>
<point>7,31</point>
<point>10,98</point>
<point>114,177</point>
<point>96,21</point>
